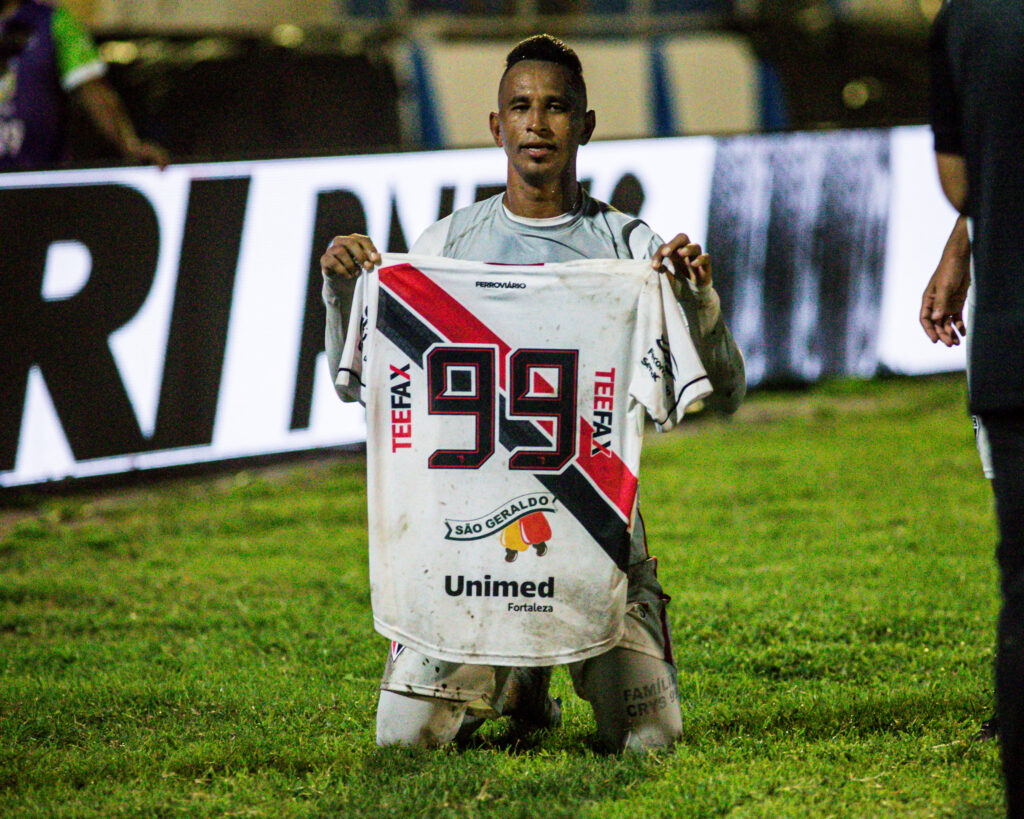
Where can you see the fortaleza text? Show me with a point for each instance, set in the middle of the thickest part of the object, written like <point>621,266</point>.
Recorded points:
<point>530,607</point>
<point>460,586</point>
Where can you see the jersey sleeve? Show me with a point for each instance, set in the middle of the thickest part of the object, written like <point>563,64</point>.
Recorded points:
<point>668,374</point>
<point>715,345</point>
<point>346,353</point>
<point>709,333</point>
<point>78,61</point>
<point>700,304</point>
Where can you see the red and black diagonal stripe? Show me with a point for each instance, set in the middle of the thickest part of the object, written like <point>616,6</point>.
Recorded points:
<point>402,299</point>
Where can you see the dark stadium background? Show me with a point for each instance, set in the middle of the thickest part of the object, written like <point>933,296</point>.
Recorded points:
<point>259,90</point>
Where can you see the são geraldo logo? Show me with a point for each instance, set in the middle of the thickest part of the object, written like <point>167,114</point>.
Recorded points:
<point>519,524</point>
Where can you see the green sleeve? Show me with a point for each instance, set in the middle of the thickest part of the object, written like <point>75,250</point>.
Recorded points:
<point>75,48</point>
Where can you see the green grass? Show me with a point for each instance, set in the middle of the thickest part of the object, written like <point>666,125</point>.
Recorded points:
<point>205,647</point>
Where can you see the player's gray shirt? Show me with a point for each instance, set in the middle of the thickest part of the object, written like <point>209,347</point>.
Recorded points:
<point>488,232</point>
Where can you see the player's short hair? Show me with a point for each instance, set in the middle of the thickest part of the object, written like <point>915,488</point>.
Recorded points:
<point>549,49</point>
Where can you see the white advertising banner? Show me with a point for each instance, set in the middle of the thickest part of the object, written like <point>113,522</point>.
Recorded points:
<point>920,220</point>
<point>156,318</point>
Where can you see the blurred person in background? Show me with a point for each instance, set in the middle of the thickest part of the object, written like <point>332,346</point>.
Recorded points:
<point>977,66</point>
<point>47,59</point>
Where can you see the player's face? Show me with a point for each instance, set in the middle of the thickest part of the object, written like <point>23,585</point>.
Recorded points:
<point>541,122</point>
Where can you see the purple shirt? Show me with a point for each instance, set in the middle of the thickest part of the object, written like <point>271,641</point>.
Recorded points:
<point>44,54</point>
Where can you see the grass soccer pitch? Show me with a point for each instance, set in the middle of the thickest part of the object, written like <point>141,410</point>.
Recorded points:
<point>205,647</point>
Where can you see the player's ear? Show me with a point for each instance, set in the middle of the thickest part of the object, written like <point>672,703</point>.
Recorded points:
<point>589,123</point>
<point>496,130</point>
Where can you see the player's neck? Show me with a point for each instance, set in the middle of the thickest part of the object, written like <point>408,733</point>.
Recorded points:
<point>542,201</point>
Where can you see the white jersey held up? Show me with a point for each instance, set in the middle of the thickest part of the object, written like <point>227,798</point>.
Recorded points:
<point>505,409</point>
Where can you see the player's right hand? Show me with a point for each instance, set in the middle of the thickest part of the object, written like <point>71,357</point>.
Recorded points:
<point>942,303</point>
<point>348,256</point>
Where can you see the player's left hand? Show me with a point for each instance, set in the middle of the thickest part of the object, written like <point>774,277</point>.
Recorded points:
<point>686,258</point>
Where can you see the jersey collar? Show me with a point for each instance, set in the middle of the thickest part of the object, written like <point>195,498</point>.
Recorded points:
<point>551,221</point>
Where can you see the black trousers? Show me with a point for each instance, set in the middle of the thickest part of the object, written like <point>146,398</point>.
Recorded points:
<point>1006,436</point>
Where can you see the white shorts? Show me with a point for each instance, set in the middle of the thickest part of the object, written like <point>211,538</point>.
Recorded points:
<point>980,435</point>
<point>984,449</point>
